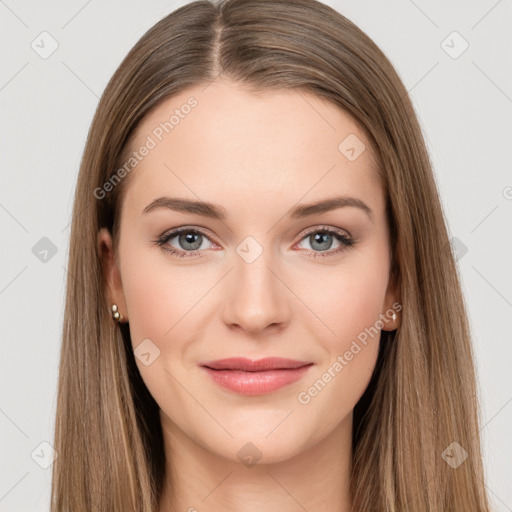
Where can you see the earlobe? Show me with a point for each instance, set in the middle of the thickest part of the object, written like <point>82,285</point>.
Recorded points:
<point>393,307</point>
<point>110,271</point>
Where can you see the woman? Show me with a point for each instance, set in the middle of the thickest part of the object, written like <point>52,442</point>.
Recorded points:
<point>310,349</point>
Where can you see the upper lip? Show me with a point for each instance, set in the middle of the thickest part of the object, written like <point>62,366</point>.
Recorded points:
<point>250,365</point>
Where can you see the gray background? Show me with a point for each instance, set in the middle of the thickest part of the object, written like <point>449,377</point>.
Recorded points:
<point>463,100</point>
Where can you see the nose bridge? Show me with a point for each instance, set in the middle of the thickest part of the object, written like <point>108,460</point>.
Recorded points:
<point>256,297</point>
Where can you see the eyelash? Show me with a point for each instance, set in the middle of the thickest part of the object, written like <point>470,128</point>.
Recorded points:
<point>338,234</point>
<point>163,239</point>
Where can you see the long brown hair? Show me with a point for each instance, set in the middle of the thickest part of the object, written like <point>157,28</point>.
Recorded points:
<point>423,393</point>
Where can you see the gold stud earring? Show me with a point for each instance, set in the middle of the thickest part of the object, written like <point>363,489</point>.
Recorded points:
<point>116,316</point>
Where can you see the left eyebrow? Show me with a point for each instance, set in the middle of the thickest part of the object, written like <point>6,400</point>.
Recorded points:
<point>218,212</point>
<point>306,210</point>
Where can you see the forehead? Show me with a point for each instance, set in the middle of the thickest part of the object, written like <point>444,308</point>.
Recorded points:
<point>223,142</point>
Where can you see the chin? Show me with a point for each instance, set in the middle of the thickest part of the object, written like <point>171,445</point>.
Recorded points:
<point>256,449</point>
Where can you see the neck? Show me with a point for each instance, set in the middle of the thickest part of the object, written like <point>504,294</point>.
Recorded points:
<point>316,479</point>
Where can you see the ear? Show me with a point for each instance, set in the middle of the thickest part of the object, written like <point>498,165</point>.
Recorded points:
<point>113,287</point>
<point>392,304</point>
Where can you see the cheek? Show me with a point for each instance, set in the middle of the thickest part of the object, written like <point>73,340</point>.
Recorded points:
<point>351,308</point>
<point>160,303</point>
<point>159,295</point>
<point>350,303</point>
<point>150,306</point>
<point>350,346</point>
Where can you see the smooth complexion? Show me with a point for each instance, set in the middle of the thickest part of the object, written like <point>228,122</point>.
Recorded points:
<point>257,156</point>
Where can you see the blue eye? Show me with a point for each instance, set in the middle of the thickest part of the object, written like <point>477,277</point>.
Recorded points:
<point>191,241</point>
<point>187,238</point>
<point>322,239</point>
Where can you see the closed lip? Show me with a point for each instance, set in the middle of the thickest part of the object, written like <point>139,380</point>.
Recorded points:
<point>250,365</point>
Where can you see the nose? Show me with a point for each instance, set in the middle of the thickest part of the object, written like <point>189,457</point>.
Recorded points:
<point>257,298</point>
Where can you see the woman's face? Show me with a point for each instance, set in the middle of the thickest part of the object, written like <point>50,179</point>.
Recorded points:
<point>248,278</point>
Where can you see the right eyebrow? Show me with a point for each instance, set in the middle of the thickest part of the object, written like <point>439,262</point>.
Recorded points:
<point>187,206</point>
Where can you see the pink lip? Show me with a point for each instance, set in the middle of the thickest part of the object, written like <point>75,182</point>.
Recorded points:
<point>248,377</point>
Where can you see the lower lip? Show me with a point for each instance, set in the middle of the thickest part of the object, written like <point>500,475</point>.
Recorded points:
<point>256,383</point>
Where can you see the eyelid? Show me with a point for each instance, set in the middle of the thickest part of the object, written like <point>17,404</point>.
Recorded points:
<point>346,241</point>
<point>174,232</point>
<point>205,231</point>
<point>323,227</point>
<point>186,228</point>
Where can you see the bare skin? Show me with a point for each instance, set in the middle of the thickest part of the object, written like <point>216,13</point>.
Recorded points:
<point>257,156</point>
